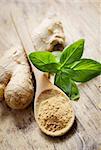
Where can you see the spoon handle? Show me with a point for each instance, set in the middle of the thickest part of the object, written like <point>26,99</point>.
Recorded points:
<point>24,36</point>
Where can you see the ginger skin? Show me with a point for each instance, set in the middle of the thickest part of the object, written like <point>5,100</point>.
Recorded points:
<point>15,79</point>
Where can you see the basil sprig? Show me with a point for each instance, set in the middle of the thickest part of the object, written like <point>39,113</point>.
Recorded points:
<point>69,68</point>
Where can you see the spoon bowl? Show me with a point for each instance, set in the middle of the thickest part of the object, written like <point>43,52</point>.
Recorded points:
<point>58,132</point>
<point>46,90</point>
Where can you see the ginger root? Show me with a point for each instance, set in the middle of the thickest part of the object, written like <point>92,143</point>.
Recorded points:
<point>15,79</point>
<point>49,35</point>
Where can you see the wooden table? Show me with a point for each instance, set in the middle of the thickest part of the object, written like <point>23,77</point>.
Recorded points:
<point>18,129</point>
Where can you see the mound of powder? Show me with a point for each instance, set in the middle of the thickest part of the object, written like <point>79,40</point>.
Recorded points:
<point>55,113</point>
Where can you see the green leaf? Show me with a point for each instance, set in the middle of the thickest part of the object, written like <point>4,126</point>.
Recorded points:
<point>83,70</point>
<point>44,61</point>
<point>72,53</point>
<point>62,81</point>
<point>67,85</point>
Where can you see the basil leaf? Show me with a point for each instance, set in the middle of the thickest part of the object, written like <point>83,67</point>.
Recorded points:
<point>67,85</point>
<point>72,53</point>
<point>44,61</point>
<point>63,82</point>
<point>83,70</point>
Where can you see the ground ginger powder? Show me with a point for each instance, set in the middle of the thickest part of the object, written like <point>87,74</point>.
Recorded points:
<point>54,113</point>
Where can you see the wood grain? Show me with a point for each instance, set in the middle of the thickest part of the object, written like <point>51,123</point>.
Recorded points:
<point>81,19</point>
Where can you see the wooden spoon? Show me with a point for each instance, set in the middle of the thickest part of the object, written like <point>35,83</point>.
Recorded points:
<point>42,83</point>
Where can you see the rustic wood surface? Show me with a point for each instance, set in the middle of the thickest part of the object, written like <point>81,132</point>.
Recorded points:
<point>81,19</point>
